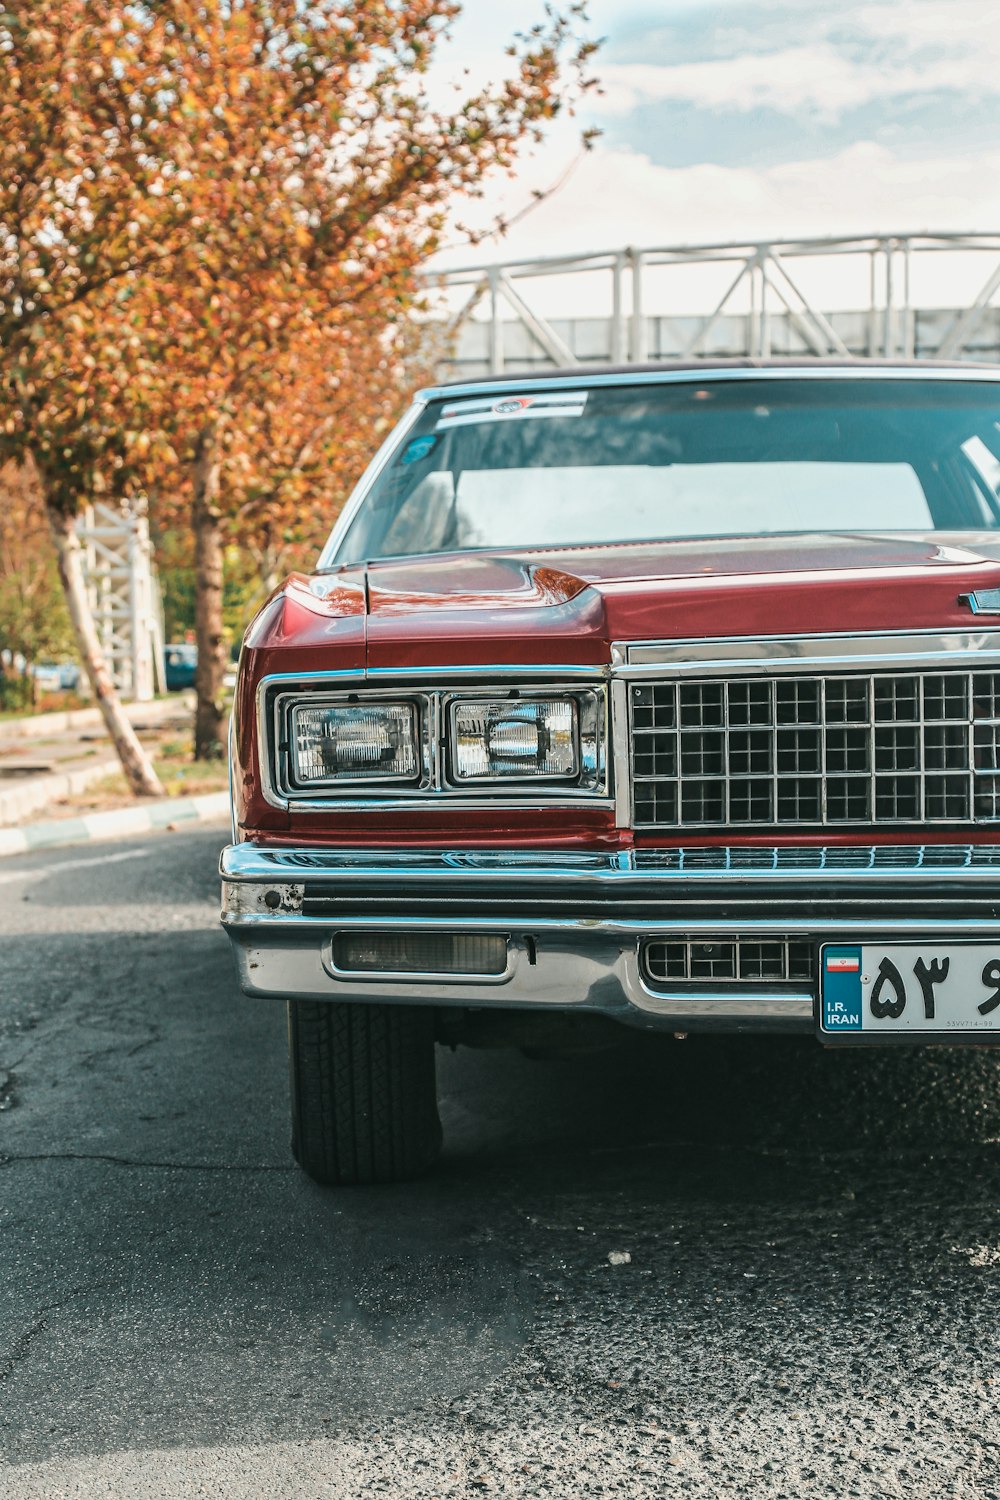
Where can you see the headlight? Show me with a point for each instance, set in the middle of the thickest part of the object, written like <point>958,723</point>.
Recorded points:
<point>422,745</point>
<point>354,742</point>
<point>515,739</point>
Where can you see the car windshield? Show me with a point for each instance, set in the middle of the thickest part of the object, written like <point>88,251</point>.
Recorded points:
<point>560,467</point>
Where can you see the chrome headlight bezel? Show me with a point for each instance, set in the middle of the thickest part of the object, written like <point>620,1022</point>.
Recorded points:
<point>279,698</point>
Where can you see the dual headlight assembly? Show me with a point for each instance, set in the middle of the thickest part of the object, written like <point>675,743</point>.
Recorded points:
<point>439,742</point>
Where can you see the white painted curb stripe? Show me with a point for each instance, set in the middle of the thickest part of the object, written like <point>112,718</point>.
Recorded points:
<point>109,825</point>
<point>38,791</point>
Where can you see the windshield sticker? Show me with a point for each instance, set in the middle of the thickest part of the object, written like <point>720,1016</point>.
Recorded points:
<point>417,448</point>
<point>512,408</point>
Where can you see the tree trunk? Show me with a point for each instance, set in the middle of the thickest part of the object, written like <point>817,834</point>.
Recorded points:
<point>136,763</point>
<point>210,713</point>
<point>270,567</point>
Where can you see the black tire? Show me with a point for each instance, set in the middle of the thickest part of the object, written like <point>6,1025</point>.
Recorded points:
<point>364,1100</point>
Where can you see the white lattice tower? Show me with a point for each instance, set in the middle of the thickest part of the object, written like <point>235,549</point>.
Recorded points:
<point>124,595</point>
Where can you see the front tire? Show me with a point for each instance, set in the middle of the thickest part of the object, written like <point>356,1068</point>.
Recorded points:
<point>364,1099</point>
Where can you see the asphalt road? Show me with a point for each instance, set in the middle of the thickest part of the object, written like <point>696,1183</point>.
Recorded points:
<point>810,1303</point>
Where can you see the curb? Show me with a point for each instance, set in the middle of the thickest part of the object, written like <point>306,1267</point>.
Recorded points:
<point>35,725</point>
<point>110,825</point>
<point>39,791</point>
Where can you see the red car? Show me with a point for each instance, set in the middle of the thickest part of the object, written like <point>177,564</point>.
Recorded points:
<point>667,697</point>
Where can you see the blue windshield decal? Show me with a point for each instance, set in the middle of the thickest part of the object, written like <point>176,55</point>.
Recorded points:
<point>418,448</point>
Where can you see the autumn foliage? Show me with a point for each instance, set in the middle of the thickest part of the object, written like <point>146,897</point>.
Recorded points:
<point>211,217</point>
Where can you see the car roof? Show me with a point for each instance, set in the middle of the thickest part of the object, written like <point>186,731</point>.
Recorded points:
<point>706,369</point>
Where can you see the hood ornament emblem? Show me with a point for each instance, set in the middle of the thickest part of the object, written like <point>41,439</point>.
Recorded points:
<point>982,602</point>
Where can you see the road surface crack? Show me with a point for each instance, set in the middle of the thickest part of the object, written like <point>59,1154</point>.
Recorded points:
<point>23,1345</point>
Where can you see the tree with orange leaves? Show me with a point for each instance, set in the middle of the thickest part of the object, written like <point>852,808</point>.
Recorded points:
<point>190,192</point>
<point>297,455</point>
<point>305,436</point>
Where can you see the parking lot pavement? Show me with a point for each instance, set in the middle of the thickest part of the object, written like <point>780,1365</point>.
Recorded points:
<point>713,1268</point>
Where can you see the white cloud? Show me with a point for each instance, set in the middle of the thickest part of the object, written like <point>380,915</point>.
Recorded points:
<point>922,47</point>
<point>618,198</point>
<point>927,22</point>
<point>817,78</point>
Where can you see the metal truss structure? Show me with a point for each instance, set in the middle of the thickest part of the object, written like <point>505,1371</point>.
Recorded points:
<point>870,295</point>
<point>124,596</point>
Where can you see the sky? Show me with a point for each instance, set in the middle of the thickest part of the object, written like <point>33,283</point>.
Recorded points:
<point>726,120</point>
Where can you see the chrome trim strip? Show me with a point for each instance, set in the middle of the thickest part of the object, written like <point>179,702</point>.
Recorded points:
<point>728,655</point>
<point>414,677</point>
<point>621,763</point>
<point>250,861</point>
<point>687,1012</point>
<point>468,802</point>
<point>823,860</point>
<point>698,865</point>
<point>806,925</point>
<point>230,775</point>
<point>698,376</point>
<point>492,672</point>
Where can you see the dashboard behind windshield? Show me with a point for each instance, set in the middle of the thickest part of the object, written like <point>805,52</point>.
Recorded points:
<point>622,463</point>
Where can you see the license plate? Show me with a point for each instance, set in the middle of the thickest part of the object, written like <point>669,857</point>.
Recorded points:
<point>912,991</point>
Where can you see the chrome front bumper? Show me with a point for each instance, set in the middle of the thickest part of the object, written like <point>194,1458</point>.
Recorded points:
<point>575,923</point>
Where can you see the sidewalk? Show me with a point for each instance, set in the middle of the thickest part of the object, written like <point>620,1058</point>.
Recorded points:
<point>37,726</point>
<point>48,757</point>
<point>22,797</point>
<point>51,757</point>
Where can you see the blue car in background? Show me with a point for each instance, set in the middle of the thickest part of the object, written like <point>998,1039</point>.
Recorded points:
<point>179,663</point>
<point>55,676</point>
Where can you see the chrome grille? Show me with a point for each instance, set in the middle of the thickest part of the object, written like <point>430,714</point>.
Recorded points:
<point>884,747</point>
<point>730,961</point>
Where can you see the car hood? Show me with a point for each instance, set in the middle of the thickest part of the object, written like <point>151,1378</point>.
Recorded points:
<point>550,575</point>
<point>576,600</point>
<point>567,605</point>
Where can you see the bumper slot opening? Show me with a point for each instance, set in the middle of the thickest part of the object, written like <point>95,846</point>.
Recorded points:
<point>473,954</point>
<point>729,960</point>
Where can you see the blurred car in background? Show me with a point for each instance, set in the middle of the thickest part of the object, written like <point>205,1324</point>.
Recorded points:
<point>180,661</point>
<point>55,676</point>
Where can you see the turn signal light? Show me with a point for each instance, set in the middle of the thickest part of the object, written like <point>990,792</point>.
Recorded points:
<point>472,953</point>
